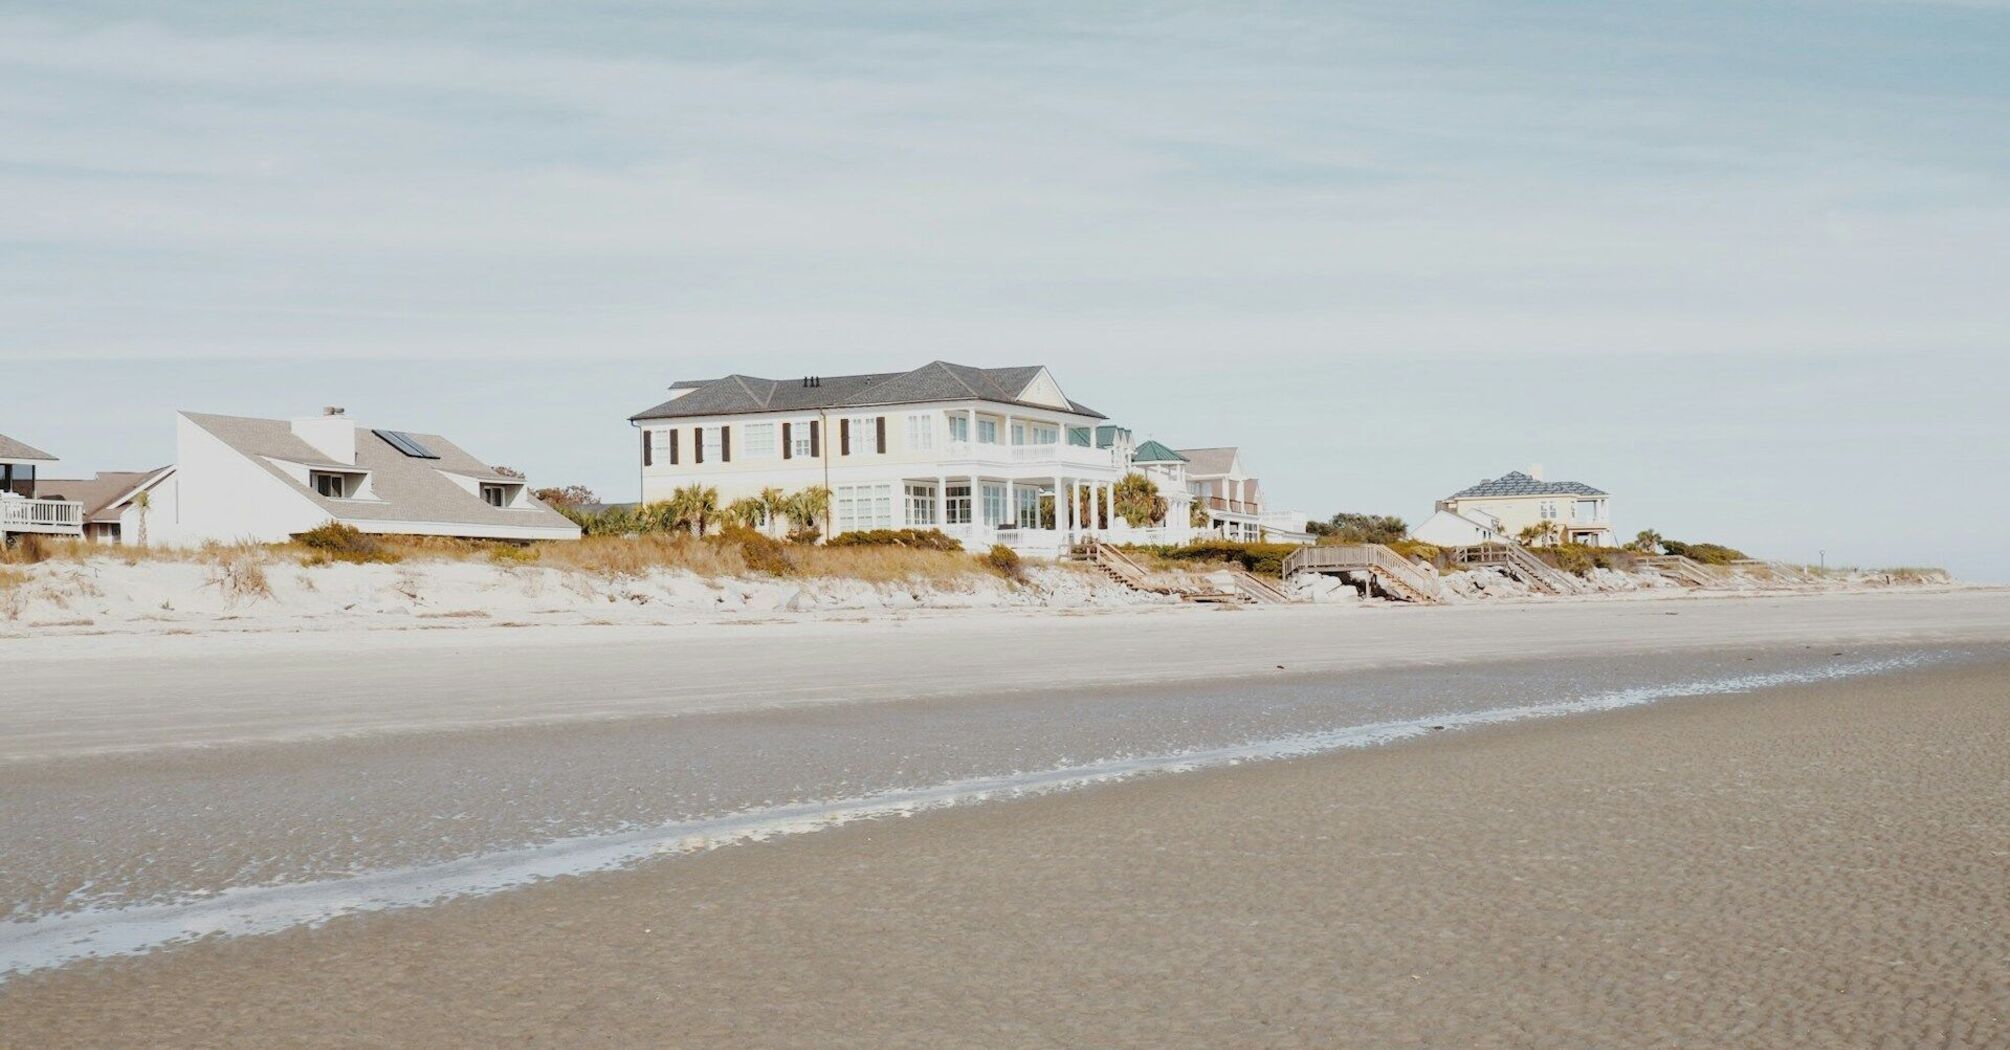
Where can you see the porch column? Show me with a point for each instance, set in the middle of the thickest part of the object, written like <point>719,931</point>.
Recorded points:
<point>977,526</point>
<point>1060,506</point>
<point>1011,507</point>
<point>972,413</point>
<point>942,503</point>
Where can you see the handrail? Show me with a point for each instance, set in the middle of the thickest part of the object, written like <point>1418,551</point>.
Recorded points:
<point>42,513</point>
<point>1371,556</point>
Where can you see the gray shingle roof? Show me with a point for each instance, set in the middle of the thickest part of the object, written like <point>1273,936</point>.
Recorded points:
<point>1516,483</point>
<point>1204,461</point>
<point>99,495</point>
<point>935,381</point>
<point>12,449</point>
<point>407,489</point>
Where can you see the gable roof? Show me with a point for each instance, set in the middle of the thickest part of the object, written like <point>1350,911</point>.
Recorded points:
<point>1516,483</point>
<point>19,450</point>
<point>1209,460</point>
<point>934,381</point>
<point>407,489</point>
<point>101,496</point>
<point>1153,452</point>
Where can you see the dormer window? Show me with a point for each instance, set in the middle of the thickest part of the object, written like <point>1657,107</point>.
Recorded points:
<point>329,484</point>
<point>495,495</point>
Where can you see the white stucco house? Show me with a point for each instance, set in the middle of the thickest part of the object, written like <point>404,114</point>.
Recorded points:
<point>264,480</point>
<point>1506,505</point>
<point>23,510</point>
<point>980,453</point>
<point>117,505</point>
<point>1234,499</point>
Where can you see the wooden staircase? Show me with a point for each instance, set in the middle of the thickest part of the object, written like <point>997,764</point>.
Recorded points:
<point>1521,564</point>
<point>1391,574</point>
<point>1682,570</point>
<point>1122,568</point>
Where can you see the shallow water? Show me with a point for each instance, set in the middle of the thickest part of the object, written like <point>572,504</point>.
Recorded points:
<point>119,855</point>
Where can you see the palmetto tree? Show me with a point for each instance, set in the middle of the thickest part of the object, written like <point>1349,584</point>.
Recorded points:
<point>144,503</point>
<point>774,507</point>
<point>1138,501</point>
<point>1648,542</point>
<point>746,512</point>
<point>808,508</point>
<point>695,507</point>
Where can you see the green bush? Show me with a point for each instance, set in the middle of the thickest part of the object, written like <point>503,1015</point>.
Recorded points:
<point>762,553</point>
<point>915,539</point>
<point>1265,559</point>
<point>336,541</point>
<point>1707,553</point>
<point>1005,561</point>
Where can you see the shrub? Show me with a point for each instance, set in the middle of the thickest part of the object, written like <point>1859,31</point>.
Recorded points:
<point>1262,558</point>
<point>28,549</point>
<point>1005,562</point>
<point>763,554</point>
<point>914,539</point>
<point>1707,553</point>
<point>336,541</point>
<point>512,553</point>
<point>1346,527</point>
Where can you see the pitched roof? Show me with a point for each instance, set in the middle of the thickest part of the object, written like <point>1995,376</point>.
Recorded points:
<point>1516,483</point>
<point>1209,460</point>
<point>407,489</point>
<point>17,450</point>
<point>934,381</point>
<point>1153,452</point>
<point>102,495</point>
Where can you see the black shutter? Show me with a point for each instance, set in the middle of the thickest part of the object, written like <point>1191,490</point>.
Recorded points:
<point>844,437</point>
<point>725,444</point>
<point>648,458</point>
<point>816,440</point>
<point>788,446</point>
<point>881,427</point>
<point>673,446</point>
<point>697,444</point>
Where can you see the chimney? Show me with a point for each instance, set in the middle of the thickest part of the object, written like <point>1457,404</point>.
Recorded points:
<point>1535,471</point>
<point>332,410</point>
<point>332,434</point>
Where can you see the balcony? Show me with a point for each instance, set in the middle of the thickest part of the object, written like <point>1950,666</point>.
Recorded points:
<point>1055,454</point>
<point>49,516</point>
<point>1234,506</point>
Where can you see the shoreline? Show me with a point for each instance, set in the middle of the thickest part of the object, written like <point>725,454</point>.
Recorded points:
<point>1657,849</point>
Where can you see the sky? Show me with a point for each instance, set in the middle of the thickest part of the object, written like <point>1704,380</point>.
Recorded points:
<point>1741,264</point>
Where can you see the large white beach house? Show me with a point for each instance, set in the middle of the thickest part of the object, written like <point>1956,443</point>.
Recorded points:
<point>980,453</point>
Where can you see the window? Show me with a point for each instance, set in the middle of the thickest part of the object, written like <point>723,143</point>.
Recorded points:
<point>921,504</point>
<point>1585,511</point>
<point>760,440</point>
<point>958,508</point>
<point>660,439</point>
<point>714,448</point>
<point>921,432</point>
<point>799,440</point>
<point>1018,433</point>
<point>959,427</point>
<point>1029,508</point>
<point>864,435</point>
<point>333,486</point>
<point>994,505</point>
<point>987,431</point>
<point>1046,434</point>
<point>495,495</point>
<point>859,507</point>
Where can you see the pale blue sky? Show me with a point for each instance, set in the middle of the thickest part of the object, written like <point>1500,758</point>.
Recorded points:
<point>1740,263</point>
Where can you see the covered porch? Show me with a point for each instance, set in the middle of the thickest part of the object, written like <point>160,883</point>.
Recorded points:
<point>1018,511</point>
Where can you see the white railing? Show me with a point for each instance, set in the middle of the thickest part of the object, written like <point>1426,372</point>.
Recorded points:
<point>41,515</point>
<point>1076,455</point>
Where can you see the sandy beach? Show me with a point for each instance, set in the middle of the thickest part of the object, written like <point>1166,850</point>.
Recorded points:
<point>1813,864</point>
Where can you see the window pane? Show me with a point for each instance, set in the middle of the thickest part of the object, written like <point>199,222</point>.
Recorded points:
<point>761,440</point>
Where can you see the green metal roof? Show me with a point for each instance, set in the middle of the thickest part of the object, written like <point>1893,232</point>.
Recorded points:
<point>1153,452</point>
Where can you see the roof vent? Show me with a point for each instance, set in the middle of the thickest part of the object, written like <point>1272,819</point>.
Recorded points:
<point>333,410</point>
<point>812,382</point>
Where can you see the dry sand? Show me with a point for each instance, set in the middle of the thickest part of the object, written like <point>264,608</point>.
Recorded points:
<point>1823,866</point>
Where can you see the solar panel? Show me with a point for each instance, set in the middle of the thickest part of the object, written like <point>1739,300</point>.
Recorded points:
<point>406,443</point>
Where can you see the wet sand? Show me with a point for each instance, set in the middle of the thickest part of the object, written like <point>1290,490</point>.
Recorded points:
<point>1819,866</point>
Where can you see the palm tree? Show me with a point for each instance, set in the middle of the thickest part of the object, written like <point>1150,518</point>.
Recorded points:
<point>694,507</point>
<point>774,507</point>
<point>143,503</point>
<point>746,512</point>
<point>808,507</point>
<point>1648,542</point>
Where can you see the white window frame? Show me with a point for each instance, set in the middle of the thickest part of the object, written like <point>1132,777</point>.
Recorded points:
<point>921,432</point>
<point>1028,511</point>
<point>500,494</point>
<point>1044,433</point>
<point>319,481</point>
<point>846,504</point>
<point>959,427</point>
<point>799,439</point>
<point>713,445</point>
<point>758,441</point>
<point>659,444</point>
<point>864,435</point>
<point>957,505</point>
<point>984,425</point>
<point>995,509</point>
<point>921,505</point>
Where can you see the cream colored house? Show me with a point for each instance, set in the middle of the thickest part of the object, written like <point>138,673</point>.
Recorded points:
<point>980,453</point>
<point>1507,505</point>
<point>1234,499</point>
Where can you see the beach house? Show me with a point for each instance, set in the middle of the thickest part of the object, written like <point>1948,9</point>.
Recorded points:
<point>263,480</point>
<point>987,455</point>
<point>117,505</point>
<point>1515,502</point>
<point>24,511</point>
<point>1233,499</point>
